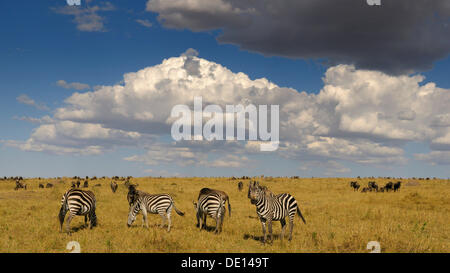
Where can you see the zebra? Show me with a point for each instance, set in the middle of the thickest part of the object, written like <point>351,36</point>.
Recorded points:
<point>78,202</point>
<point>213,205</point>
<point>270,207</point>
<point>152,203</point>
<point>222,194</point>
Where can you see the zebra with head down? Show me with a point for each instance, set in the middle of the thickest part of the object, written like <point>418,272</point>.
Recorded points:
<point>161,204</point>
<point>78,202</point>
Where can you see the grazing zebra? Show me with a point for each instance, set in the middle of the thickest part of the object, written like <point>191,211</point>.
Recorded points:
<point>213,205</point>
<point>78,202</point>
<point>113,186</point>
<point>270,207</point>
<point>240,186</point>
<point>152,203</point>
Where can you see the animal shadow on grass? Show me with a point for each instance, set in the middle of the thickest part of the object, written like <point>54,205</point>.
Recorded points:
<point>207,228</point>
<point>261,238</point>
<point>78,228</point>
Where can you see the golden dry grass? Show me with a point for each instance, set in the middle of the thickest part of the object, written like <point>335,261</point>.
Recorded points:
<point>416,219</point>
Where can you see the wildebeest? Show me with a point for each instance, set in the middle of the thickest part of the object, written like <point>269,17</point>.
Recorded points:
<point>113,186</point>
<point>74,185</point>
<point>41,186</point>
<point>372,185</point>
<point>240,186</point>
<point>354,185</point>
<point>20,185</point>
<point>397,186</point>
<point>49,185</point>
<point>78,183</point>
<point>133,194</point>
<point>365,189</point>
<point>389,186</point>
<point>86,184</point>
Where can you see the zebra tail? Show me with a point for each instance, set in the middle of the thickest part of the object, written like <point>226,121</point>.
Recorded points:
<point>63,211</point>
<point>179,212</point>
<point>229,208</point>
<point>300,214</point>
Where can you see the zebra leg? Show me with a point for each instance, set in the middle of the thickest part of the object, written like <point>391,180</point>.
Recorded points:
<point>204,221</point>
<point>269,227</point>
<point>163,219</point>
<point>144,215</point>
<point>291,227</point>
<point>217,224</point>
<point>200,222</point>
<point>169,222</point>
<point>69,219</point>
<point>283,228</point>
<point>263,223</point>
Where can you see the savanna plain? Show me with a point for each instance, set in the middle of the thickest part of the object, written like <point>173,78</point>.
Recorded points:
<point>338,219</point>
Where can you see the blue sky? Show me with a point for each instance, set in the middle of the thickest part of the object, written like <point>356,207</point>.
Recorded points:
<point>42,44</point>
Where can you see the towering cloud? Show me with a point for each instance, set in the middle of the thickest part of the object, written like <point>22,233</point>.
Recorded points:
<point>359,116</point>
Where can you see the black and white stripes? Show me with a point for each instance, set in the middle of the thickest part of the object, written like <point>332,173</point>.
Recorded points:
<point>152,203</point>
<point>270,207</point>
<point>211,204</point>
<point>78,202</point>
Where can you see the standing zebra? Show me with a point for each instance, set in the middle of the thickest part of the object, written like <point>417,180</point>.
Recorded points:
<point>152,203</point>
<point>213,205</point>
<point>78,202</point>
<point>270,207</point>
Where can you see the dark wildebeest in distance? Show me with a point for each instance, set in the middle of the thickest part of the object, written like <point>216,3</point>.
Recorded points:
<point>41,186</point>
<point>365,189</point>
<point>133,194</point>
<point>20,185</point>
<point>49,185</point>
<point>113,186</point>
<point>240,186</point>
<point>389,186</point>
<point>397,186</point>
<point>354,185</point>
<point>86,184</point>
<point>372,186</point>
<point>78,183</point>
